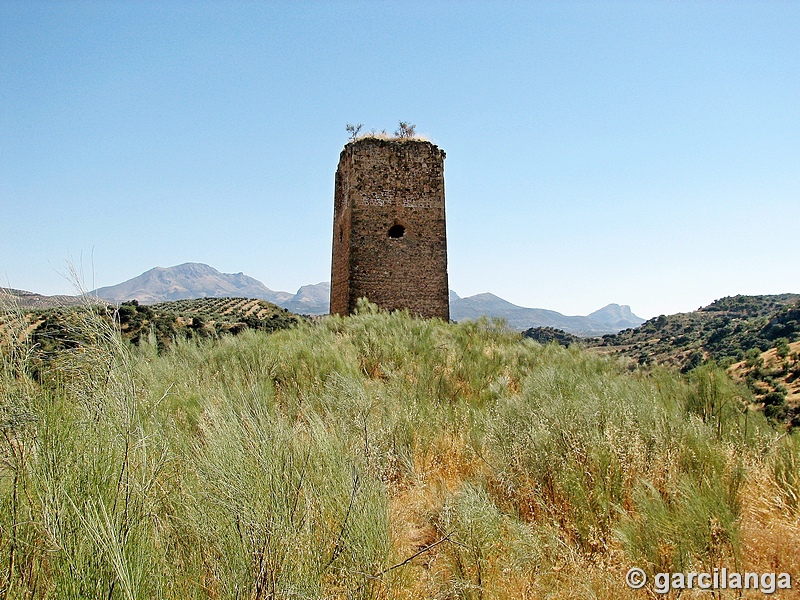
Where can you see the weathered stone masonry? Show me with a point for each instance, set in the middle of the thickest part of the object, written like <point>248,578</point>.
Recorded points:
<point>389,239</point>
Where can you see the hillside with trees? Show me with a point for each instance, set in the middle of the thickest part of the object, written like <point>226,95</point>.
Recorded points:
<point>755,336</point>
<point>723,331</point>
<point>64,328</point>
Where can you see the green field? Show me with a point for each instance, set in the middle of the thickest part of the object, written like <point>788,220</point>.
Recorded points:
<point>375,456</point>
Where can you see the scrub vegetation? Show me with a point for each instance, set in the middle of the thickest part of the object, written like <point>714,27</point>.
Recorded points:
<point>756,338</point>
<point>375,456</point>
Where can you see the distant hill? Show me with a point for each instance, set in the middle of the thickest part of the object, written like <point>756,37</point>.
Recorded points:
<point>615,317</point>
<point>11,298</point>
<point>189,280</point>
<point>609,319</point>
<point>198,280</point>
<point>310,300</point>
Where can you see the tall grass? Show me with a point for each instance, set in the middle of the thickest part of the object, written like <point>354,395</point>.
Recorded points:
<point>374,456</point>
<point>88,464</point>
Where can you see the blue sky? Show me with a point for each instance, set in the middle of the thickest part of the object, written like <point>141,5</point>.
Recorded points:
<point>644,153</point>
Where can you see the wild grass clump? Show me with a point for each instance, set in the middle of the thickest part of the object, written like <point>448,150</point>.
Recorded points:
<point>84,469</point>
<point>282,509</point>
<point>375,456</point>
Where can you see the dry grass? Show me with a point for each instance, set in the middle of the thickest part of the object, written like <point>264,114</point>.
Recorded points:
<point>382,135</point>
<point>381,457</point>
<point>770,531</point>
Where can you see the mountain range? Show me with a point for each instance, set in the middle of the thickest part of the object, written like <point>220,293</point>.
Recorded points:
<point>189,280</point>
<point>197,280</point>
<point>609,319</point>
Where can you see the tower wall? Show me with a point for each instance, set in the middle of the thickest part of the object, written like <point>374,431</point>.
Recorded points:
<point>389,237</point>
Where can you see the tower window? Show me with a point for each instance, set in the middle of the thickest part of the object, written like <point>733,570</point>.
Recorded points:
<point>397,231</point>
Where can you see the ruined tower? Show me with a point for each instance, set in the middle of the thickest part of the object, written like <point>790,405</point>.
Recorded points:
<point>389,240</point>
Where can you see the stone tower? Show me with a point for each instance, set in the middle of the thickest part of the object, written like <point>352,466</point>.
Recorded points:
<point>389,240</point>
